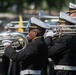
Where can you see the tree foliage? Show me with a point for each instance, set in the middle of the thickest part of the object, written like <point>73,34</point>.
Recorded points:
<point>56,4</point>
<point>37,3</point>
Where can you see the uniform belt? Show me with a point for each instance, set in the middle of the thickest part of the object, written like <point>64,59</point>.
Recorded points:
<point>63,67</point>
<point>30,72</point>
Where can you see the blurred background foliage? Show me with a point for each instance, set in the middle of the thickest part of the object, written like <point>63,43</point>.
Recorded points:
<point>23,6</point>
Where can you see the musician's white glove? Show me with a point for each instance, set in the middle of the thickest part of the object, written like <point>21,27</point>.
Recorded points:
<point>6,42</point>
<point>50,33</point>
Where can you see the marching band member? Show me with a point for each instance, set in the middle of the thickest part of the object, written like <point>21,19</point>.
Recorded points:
<point>35,54</point>
<point>72,9</point>
<point>63,52</point>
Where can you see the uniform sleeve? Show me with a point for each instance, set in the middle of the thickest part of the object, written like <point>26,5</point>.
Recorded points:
<point>58,48</point>
<point>48,40</point>
<point>23,54</point>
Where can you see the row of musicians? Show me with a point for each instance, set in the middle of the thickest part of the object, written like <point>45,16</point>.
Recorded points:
<point>33,59</point>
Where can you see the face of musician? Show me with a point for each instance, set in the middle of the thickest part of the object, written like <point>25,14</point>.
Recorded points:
<point>73,15</point>
<point>32,33</point>
<point>63,24</point>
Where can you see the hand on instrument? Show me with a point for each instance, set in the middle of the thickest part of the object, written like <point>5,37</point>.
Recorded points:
<point>6,42</point>
<point>50,33</point>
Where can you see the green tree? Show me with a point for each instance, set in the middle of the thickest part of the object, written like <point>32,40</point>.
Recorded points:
<point>37,3</point>
<point>57,4</point>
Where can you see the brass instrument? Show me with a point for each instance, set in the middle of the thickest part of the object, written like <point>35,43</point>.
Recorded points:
<point>13,25</point>
<point>16,23</point>
<point>17,38</point>
<point>63,29</point>
<point>44,17</point>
